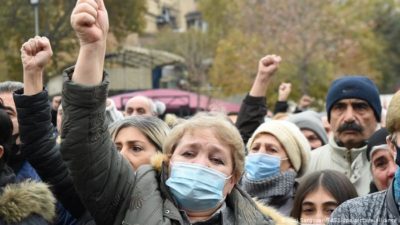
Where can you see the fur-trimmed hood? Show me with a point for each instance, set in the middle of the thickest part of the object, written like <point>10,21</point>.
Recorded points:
<point>270,212</point>
<point>20,200</point>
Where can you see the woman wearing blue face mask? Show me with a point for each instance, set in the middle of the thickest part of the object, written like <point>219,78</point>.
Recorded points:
<point>195,183</point>
<point>278,154</point>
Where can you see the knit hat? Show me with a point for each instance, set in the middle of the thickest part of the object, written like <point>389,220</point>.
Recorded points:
<point>310,120</point>
<point>377,141</point>
<point>393,114</point>
<point>289,135</point>
<point>354,87</point>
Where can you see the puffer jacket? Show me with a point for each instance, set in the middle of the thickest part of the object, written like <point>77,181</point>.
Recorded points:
<point>112,192</point>
<point>40,148</point>
<point>25,203</point>
<point>378,208</point>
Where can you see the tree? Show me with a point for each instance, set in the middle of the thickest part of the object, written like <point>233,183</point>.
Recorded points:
<point>126,16</point>
<point>386,16</point>
<point>318,40</point>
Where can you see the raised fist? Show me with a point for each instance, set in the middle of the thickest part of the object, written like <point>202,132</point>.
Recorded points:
<point>36,53</point>
<point>89,19</point>
<point>268,65</point>
<point>305,101</point>
<point>284,91</point>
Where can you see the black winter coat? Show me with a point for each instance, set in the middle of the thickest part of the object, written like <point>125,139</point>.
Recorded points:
<point>43,153</point>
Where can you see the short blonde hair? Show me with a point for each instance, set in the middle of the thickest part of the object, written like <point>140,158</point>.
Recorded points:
<point>222,128</point>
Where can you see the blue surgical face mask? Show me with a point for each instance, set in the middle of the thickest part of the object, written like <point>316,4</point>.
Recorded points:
<point>195,187</point>
<point>260,166</point>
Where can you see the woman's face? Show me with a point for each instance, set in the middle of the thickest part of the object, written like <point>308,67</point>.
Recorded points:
<point>383,168</point>
<point>134,146</point>
<point>202,147</point>
<point>268,144</point>
<point>312,138</point>
<point>317,207</point>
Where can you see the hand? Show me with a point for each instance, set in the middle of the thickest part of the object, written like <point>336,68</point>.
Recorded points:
<point>89,19</point>
<point>267,66</point>
<point>305,102</point>
<point>35,54</point>
<point>284,91</point>
<point>90,22</point>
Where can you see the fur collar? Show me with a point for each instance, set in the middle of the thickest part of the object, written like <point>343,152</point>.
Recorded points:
<point>275,215</point>
<point>270,212</point>
<point>19,201</point>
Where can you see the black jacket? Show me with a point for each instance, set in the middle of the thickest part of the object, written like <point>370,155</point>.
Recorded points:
<point>40,148</point>
<point>251,115</point>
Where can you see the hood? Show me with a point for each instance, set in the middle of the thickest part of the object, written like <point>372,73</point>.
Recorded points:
<point>19,201</point>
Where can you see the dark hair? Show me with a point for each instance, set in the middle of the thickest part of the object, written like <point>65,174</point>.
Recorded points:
<point>6,129</point>
<point>337,184</point>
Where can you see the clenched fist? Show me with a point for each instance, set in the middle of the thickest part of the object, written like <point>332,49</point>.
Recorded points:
<point>284,91</point>
<point>268,65</point>
<point>36,53</point>
<point>89,19</point>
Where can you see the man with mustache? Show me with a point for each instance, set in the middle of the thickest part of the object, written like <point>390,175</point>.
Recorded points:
<point>354,110</point>
<point>381,207</point>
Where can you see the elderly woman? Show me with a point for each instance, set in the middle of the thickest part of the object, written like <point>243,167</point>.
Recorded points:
<point>194,183</point>
<point>278,154</point>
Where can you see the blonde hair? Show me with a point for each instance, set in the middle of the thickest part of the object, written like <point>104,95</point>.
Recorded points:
<point>393,114</point>
<point>222,128</point>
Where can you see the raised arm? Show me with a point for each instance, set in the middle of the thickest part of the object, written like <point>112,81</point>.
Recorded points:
<point>253,108</point>
<point>103,179</point>
<point>283,94</point>
<point>89,19</point>
<point>36,130</point>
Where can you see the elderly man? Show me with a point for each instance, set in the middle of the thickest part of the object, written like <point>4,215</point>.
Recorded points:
<point>142,105</point>
<point>354,110</point>
<point>380,207</point>
<point>383,165</point>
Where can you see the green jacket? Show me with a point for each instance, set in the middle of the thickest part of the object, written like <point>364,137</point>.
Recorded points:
<point>110,189</point>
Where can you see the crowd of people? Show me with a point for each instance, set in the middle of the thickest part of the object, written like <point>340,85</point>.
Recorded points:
<point>79,160</point>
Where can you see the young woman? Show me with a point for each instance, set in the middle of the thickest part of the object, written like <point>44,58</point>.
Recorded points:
<point>138,138</point>
<point>319,194</point>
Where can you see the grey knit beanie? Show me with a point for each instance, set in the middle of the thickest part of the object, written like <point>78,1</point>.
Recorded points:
<point>310,120</point>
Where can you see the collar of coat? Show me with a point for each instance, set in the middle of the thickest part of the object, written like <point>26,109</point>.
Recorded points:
<point>242,207</point>
<point>20,200</point>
